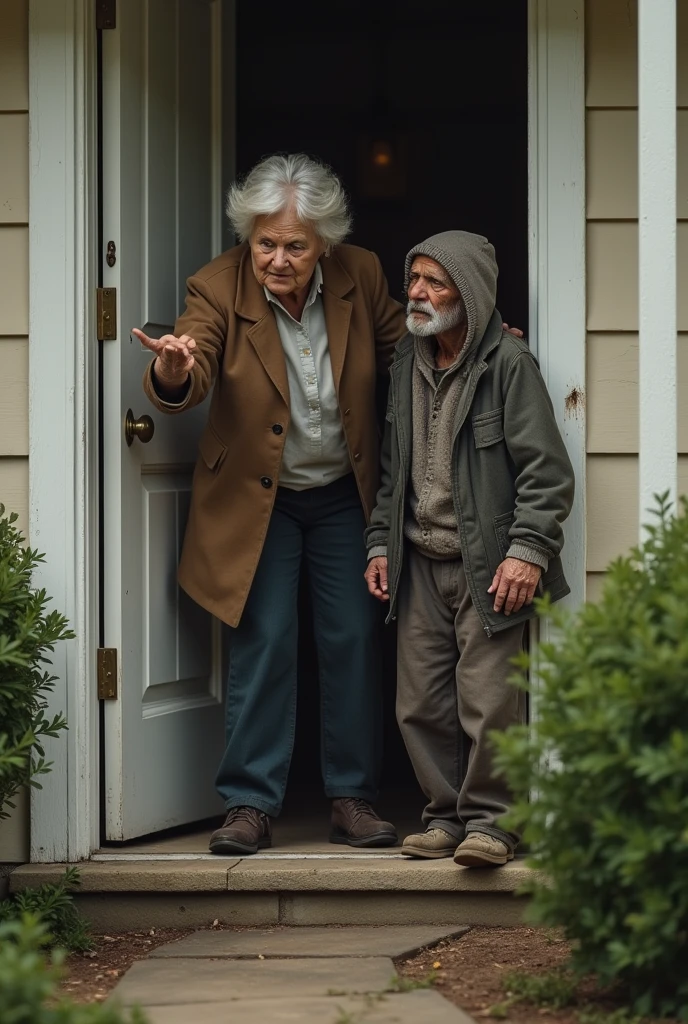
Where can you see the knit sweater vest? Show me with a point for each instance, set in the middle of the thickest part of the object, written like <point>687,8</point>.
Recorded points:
<point>431,520</point>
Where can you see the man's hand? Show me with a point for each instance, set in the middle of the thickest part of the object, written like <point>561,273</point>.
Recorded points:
<point>376,578</point>
<point>512,330</point>
<point>175,358</point>
<point>514,583</point>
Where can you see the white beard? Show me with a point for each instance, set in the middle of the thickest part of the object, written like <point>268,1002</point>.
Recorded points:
<point>440,320</point>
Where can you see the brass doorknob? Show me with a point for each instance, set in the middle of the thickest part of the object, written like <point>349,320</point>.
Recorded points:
<point>143,428</point>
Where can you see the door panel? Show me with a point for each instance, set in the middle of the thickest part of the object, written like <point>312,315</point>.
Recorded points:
<point>163,737</point>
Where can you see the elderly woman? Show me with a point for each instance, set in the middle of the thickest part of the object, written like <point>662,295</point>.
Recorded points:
<point>290,330</point>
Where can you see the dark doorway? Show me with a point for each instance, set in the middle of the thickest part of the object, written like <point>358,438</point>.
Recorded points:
<point>422,111</point>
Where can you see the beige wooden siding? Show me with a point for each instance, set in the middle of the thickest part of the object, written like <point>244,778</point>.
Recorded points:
<point>14,308</point>
<point>612,406</point>
<point>613,522</point>
<point>611,53</point>
<point>612,277</point>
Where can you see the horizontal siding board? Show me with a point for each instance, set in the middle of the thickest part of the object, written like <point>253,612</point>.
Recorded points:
<point>14,396</point>
<point>612,53</point>
<point>14,55</point>
<point>612,165</point>
<point>14,489</point>
<point>14,281</point>
<point>14,168</point>
<point>593,585</point>
<point>612,505</point>
<point>612,276</point>
<point>612,393</point>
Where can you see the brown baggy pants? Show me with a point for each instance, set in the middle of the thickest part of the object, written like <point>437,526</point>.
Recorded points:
<point>452,691</point>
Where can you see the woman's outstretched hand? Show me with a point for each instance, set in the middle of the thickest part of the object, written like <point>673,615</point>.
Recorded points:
<point>175,358</point>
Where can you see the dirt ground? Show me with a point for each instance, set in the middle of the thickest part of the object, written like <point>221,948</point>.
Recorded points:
<point>470,971</point>
<point>91,976</point>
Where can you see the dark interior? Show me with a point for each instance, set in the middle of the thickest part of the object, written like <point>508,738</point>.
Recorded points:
<point>422,111</point>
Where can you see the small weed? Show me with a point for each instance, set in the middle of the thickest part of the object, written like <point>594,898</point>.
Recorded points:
<point>344,1017</point>
<point>336,992</point>
<point>54,906</point>
<point>399,984</point>
<point>500,1011</point>
<point>556,988</point>
<point>370,1001</point>
<point>621,1016</point>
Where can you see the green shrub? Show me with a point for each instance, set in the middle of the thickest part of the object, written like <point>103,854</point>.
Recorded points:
<point>606,760</point>
<point>28,982</point>
<point>54,906</point>
<point>27,633</point>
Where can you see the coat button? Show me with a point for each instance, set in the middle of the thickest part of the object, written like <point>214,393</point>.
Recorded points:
<point>277,428</point>
<point>266,482</point>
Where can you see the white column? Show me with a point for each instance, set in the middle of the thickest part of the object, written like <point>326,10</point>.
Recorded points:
<point>556,152</point>
<point>657,249</point>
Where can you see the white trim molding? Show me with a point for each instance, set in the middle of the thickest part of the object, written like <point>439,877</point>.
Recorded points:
<point>658,442</point>
<point>63,520</point>
<point>557,207</point>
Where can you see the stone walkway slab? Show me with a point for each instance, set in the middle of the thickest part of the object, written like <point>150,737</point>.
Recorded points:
<point>328,941</point>
<point>172,982</point>
<point>409,1008</point>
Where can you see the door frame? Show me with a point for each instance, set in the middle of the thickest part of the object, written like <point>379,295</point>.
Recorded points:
<point>63,392</point>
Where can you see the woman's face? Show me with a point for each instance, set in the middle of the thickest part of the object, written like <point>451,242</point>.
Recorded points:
<point>284,252</point>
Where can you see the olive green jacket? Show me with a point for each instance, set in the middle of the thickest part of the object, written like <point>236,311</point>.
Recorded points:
<point>512,479</point>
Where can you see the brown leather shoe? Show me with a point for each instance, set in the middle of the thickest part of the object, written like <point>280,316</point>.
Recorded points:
<point>246,830</point>
<point>355,823</point>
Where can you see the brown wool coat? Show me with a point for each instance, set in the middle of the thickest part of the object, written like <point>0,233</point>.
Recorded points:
<point>240,357</point>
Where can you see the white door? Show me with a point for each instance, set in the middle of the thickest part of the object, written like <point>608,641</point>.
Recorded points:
<point>161,202</point>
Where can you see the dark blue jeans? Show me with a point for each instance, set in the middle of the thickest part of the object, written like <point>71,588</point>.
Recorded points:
<point>324,526</point>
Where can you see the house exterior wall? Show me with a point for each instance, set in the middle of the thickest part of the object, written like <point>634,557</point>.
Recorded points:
<point>612,277</point>
<point>612,301</point>
<point>14,307</point>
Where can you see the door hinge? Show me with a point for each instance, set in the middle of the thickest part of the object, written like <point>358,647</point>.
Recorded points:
<point>106,14</point>
<point>107,673</point>
<point>106,313</point>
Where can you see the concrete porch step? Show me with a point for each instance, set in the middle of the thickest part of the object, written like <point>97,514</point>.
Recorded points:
<point>129,895</point>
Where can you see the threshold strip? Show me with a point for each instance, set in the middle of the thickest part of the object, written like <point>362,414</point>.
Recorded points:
<point>254,856</point>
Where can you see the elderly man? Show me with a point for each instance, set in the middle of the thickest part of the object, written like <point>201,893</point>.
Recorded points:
<point>476,484</point>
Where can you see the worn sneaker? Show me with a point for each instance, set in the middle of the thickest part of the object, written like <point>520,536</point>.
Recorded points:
<point>479,850</point>
<point>433,843</point>
<point>355,823</point>
<point>246,830</point>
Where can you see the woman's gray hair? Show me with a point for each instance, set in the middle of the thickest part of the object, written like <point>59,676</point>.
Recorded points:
<point>280,181</point>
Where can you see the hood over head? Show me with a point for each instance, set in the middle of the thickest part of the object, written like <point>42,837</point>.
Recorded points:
<point>470,262</point>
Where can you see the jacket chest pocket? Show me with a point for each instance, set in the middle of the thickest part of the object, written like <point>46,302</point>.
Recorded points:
<point>488,427</point>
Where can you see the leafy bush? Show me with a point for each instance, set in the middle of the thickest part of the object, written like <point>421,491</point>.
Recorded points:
<point>28,982</point>
<point>54,906</point>
<point>607,762</point>
<point>27,633</point>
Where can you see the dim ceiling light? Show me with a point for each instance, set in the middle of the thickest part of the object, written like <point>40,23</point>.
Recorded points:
<point>382,154</point>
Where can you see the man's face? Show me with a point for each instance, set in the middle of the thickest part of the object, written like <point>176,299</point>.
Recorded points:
<point>434,301</point>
